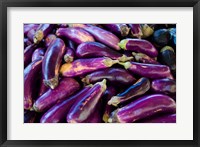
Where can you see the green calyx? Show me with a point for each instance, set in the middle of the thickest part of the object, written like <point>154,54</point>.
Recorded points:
<point>122,44</point>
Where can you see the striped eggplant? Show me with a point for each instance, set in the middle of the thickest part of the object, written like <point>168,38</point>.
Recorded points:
<point>50,38</point>
<point>69,55</point>
<point>83,108</point>
<point>39,52</point>
<point>137,89</point>
<point>28,54</point>
<point>146,106</point>
<point>31,73</point>
<point>28,27</point>
<point>66,88</point>
<point>52,61</point>
<point>101,35</point>
<point>29,116</point>
<point>139,45</point>
<point>96,49</point>
<point>84,66</point>
<point>140,57</point>
<point>136,30</point>
<point>118,29</point>
<point>77,35</point>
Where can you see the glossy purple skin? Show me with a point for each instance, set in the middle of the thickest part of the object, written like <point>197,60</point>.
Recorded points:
<point>137,89</point>
<point>84,66</point>
<point>42,31</point>
<point>146,106</point>
<point>39,52</point>
<point>140,46</point>
<point>166,86</point>
<point>31,73</point>
<point>152,71</point>
<point>64,25</point>
<point>50,38</point>
<point>29,116</point>
<point>31,34</point>
<point>136,30</point>
<point>83,108</point>
<point>52,62</point>
<point>117,76</point>
<point>140,57</point>
<point>101,35</point>
<point>43,88</point>
<point>118,29</point>
<point>27,42</point>
<point>58,112</point>
<point>167,118</point>
<point>66,88</point>
<point>71,45</point>
<point>96,117</point>
<point>69,55</point>
<point>28,27</point>
<point>96,49</point>
<point>77,35</point>
<point>28,54</point>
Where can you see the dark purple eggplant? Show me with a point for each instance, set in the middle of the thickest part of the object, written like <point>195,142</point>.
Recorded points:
<point>63,25</point>
<point>140,57</point>
<point>71,45</point>
<point>39,52</point>
<point>31,73</point>
<point>69,55</point>
<point>148,70</point>
<point>161,37</point>
<point>52,62</point>
<point>31,34</point>
<point>118,29</point>
<point>137,89</point>
<point>42,31</point>
<point>147,30</point>
<point>85,66</point>
<point>101,35</point>
<point>29,116</point>
<point>50,38</point>
<point>77,35</point>
<point>117,76</point>
<point>66,88</point>
<point>96,49</point>
<point>166,86</point>
<point>58,112</point>
<point>28,54</point>
<point>83,108</point>
<point>96,116</point>
<point>42,88</point>
<point>139,46</point>
<point>136,30</point>
<point>28,27</point>
<point>27,42</point>
<point>146,106</point>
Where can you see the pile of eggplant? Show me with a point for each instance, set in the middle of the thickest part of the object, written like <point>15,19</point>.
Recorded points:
<point>99,73</point>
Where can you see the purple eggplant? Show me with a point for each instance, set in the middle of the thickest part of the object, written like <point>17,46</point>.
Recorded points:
<point>136,30</point>
<point>84,66</point>
<point>42,31</point>
<point>71,45</point>
<point>28,54</point>
<point>58,112</point>
<point>42,88</point>
<point>96,49</point>
<point>118,29</point>
<point>66,88</point>
<point>39,52</point>
<point>148,70</point>
<point>101,35</point>
<point>95,117</point>
<point>31,73</point>
<point>69,55</point>
<point>139,45</point>
<point>83,108</point>
<point>27,42</point>
<point>31,34</point>
<point>146,106</point>
<point>117,76</point>
<point>166,86</point>
<point>140,57</point>
<point>137,89</point>
<point>52,61</point>
<point>50,38</point>
<point>77,35</point>
<point>29,116</point>
<point>147,30</point>
<point>63,25</point>
<point>28,27</point>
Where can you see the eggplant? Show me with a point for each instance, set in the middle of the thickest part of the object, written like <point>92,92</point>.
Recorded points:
<point>42,87</point>
<point>137,89</point>
<point>49,39</point>
<point>152,71</point>
<point>28,27</point>
<point>52,62</point>
<point>140,57</point>
<point>77,35</point>
<point>58,112</point>
<point>118,29</point>
<point>31,34</point>
<point>83,108</point>
<point>139,45</point>
<point>101,35</point>
<point>31,73</point>
<point>146,106</point>
<point>66,88</point>
<point>29,116</point>
<point>27,42</point>
<point>42,31</point>
<point>116,76</point>
<point>63,25</point>
<point>96,49</point>
<point>71,45</point>
<point>95,117</point>
<point>146,30</point>
<point>165,86</point>
<point>28,54</point>
<point>39,52</point>
<point>69,55</point>
<point>84,66</point>
<point>161,37</point>
<point>136,30</point>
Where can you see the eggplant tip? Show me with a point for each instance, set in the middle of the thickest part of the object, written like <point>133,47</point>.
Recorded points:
<point>68,58</point>
<point>110,120</point>
<point>122,44</point>
<point>52,83</point>
<point>38,37</point>
<point>109,62</point>
<point>114,101</point>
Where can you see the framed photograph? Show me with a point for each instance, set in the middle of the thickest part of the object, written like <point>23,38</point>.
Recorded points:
<point>104,73</point>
